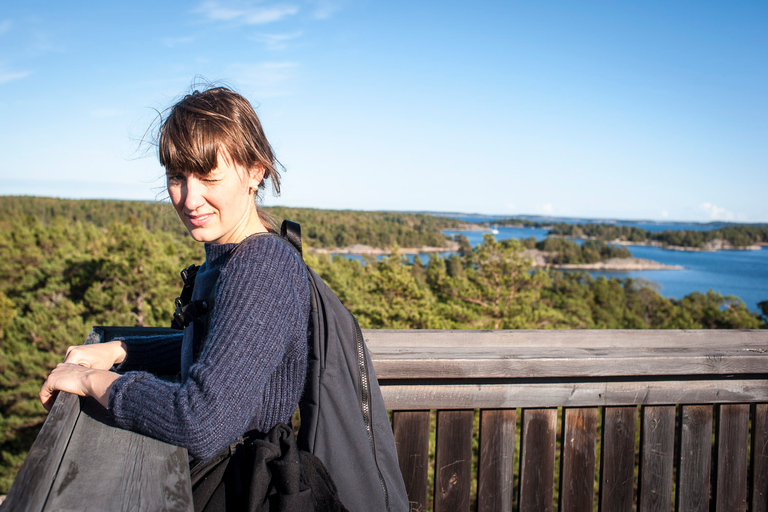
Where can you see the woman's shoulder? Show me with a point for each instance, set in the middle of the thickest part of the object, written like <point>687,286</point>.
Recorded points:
<point>269,252</point>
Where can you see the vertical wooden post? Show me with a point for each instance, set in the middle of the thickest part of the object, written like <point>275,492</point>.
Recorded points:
<point>693,474</point>
<point>496,465</point>
<point>617,468</point>
<point>453,460</point>
<point>657,457</point>
<point>411,429</point>
<point>760,458</point>
<point>732,433</point>
<point>537,460</point>
<point>577,481</point>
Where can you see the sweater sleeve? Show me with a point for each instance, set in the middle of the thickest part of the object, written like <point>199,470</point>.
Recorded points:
<point>261,312</point>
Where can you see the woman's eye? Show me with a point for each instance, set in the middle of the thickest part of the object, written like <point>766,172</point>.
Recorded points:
<point>175,177</point>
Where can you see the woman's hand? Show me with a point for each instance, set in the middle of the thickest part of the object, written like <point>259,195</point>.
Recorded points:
<point>100,356</point>
<point>80,380</point>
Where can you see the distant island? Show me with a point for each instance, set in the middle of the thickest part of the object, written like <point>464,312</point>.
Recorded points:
<point>731,237</point>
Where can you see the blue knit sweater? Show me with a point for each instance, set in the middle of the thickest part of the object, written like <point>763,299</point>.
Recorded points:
<point>251,369</point>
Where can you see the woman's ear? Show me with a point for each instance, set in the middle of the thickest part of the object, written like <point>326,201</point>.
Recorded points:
<point>257,176</point>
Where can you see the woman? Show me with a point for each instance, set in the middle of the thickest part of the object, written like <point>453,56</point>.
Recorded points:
<point>242,365</point>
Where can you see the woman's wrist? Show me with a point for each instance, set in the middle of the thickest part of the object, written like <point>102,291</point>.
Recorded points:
<point>99,385</point>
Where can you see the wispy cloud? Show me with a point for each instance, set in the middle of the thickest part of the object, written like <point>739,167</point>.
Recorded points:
<point>8,75</point>
<point>5,26</point>
<point>172,42</point>
<point>267,79</point>
<point>275,41</point>
<point>324,9</point>
<point>545,208</point>
<point>247,14</point>
<point>716,212</point>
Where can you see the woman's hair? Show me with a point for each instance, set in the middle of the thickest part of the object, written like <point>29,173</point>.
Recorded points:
<point>203,123</point>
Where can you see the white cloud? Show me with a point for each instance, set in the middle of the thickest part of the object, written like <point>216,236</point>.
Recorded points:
<point>716,212</point>
<point>248,15</point>
<point>664,214</point>
<point>275,41</point>
<point>545,208</point>
<point>7,75</point>
<point>268,79</point>
<point>324,9</point>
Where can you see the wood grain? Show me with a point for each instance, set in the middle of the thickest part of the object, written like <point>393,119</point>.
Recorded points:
<point>537,460</point>
<point>760,458</point>
<point>408,354</point>
<point>617,467</point>
<point>693,474</point>
<point>33,482</point>
<point>411,430</point>
<point>577,481</point>
<point>657,454</point>
<point>732,443</point>
<point>452,395</point>
<point>453,460</point>
<point>110,469</point>
<point>496,464</point>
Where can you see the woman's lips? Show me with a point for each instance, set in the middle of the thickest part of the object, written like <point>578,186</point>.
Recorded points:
<point>199,219</point>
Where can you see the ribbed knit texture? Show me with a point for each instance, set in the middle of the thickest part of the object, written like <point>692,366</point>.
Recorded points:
<point>251,370</point>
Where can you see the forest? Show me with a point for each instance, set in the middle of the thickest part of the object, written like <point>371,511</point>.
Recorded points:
<point>68,265</point>
<point>742,235</point>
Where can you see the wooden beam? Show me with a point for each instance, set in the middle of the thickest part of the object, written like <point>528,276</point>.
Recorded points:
<point>456,395</point>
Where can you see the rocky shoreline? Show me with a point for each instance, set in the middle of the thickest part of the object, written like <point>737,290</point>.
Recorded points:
<point>542,259</point>
<point>539,258</point>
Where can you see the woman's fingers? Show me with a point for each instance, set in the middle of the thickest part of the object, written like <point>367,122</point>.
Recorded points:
<point>78,379</point>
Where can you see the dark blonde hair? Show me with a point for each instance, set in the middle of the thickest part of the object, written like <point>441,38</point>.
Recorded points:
<point>203,123</point>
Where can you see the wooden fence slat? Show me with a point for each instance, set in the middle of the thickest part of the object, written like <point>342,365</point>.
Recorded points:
<point>732,441</point>
<point>657,457</point>
<point>537,460</point>
<point>496,464</point>
<point>693,474</point>
<point>411,429</point>
<point>760,458</point>
<point>617,468</point>
<point>577,481</point>
<point>453,460</point>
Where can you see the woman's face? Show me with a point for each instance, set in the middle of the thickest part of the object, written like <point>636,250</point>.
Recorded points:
<point>219,207</point>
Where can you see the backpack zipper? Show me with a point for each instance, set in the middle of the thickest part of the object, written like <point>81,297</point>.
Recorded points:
<point>365,403</point>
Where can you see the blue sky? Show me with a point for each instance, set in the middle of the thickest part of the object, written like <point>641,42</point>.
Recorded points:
<point>632,110</point>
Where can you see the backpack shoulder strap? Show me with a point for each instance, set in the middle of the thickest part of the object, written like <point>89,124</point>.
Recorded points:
<point>291,231</point>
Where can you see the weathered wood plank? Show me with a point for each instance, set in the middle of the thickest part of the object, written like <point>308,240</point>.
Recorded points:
<point>496,464</point>
<point>32,485</point>
<point>537,460</point>
<point>584,353</point>
<point>577,481</point>
<point>136,473</point>
<point>760,458</point>
<point>411,429</point>
<point>453,460</point>
<point>423,395</point>
<point>617,468</point>
<point>732,442</point>
<point>693,474</point>
<point>657,454</point>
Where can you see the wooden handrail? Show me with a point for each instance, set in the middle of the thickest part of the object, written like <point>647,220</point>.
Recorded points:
<point>658,396</point>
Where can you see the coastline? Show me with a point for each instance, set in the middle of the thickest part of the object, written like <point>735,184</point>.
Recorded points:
<point>715,245</point>
<point>450,246</point>
<point>540,259</point>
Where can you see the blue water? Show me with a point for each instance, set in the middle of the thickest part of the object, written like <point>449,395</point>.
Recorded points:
<point>740,273</point>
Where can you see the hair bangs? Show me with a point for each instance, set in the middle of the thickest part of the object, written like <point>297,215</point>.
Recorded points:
<point>189,142</point>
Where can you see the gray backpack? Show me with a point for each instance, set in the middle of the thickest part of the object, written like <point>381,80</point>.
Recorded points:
<point>343,418</point>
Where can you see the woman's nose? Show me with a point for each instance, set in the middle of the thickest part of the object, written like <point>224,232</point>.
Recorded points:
<point>194,194</point>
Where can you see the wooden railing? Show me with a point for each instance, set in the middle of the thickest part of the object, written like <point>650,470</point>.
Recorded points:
<point>562,420</point>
